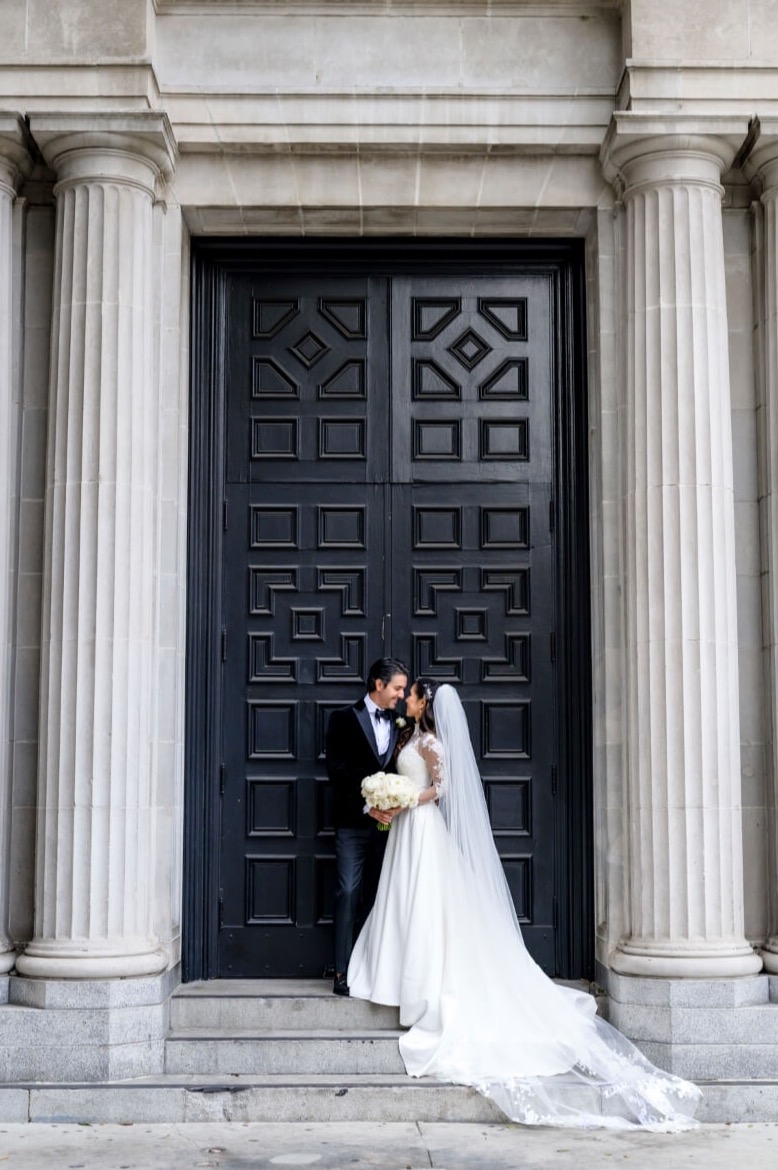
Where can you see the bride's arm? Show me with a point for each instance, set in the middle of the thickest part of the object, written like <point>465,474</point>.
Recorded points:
<point>431,752</point>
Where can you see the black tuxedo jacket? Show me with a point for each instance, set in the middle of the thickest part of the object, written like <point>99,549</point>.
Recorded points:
<point>351,754</point>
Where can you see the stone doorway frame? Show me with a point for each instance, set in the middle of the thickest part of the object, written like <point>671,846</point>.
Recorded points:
<point>211,259</point>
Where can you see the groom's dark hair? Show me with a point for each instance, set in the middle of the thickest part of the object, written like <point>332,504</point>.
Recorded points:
<point>385,669</point>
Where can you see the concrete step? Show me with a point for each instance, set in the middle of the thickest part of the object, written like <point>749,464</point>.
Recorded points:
<point>268,1004</point>
<point>235,1051</point>
<point>171,1098</point>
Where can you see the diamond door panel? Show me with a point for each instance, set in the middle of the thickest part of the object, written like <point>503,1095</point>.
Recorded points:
<point>307,353</point>
<point>472,379</point>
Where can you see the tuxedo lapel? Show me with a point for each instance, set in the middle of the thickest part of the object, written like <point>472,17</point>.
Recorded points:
<point>363,715</point>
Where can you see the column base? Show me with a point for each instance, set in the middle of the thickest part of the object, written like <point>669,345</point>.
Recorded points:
<point>769,954</point>
<point>54,960</point>
<point>701,1029</point>
<point>7,961</point>
<point>682,963</point>
<point>94,1029</point>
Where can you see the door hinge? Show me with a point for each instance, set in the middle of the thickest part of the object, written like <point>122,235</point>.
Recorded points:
<point>552,646</point>
<point>222,776</point>
<point>551,516</point>
<point>553,780</point>
<point>224,643</point>
<point>556,914</point>
<point>224,514</point>
<point>221,913</point>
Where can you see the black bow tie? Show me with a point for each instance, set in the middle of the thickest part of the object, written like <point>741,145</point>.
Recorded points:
<point>379,713</point>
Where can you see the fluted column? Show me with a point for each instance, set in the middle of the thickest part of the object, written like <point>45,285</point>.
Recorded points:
<point>683,732</point>
<point>764,167</point>
<point>93,896</point>
<point>14,160</point>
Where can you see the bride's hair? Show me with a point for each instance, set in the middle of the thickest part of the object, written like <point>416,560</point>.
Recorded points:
<point>425,688</point>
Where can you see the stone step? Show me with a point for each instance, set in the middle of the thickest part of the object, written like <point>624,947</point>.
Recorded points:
<point>171,1098</point>
<point>268,1004</point>
<point>235,1051</point>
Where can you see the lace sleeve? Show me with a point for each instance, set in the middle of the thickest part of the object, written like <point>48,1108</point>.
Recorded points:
<point>431,751</point>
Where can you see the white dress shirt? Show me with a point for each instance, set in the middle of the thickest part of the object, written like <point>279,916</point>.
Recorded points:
<point>382,728</point>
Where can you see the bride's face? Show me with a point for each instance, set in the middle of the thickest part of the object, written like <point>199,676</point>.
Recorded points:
<point>414,704</point>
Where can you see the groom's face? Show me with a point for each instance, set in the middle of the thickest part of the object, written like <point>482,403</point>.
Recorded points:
<point>388,694</point>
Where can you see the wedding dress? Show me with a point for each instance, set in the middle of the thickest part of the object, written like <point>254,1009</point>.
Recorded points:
<point>442,943</point>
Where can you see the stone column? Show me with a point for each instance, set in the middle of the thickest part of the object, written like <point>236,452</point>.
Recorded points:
<point>763,166</point>
<point>14,160</point>
<point>683,733</point>
<point>93,896</point>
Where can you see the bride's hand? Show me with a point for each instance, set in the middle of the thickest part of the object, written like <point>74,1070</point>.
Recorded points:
<point>384,816</point>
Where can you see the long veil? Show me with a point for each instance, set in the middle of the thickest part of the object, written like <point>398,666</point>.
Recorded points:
<point>537,1049</point>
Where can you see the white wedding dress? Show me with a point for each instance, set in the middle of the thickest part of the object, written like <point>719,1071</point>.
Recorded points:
<point>479,1010</point>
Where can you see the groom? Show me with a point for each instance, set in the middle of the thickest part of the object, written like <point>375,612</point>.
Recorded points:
<point>360,741</point>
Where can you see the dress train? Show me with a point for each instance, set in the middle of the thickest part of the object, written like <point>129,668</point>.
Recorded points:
<point>478,1009</point>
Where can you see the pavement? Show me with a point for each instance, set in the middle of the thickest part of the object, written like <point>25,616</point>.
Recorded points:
<point>380,1146</point>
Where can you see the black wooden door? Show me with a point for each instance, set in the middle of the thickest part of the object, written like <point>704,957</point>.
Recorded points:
<point>390,469</point>
<point>304,596</point>
<point>473,575</point>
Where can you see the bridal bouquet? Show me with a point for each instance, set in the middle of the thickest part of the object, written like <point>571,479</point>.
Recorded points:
<point>386,790</point>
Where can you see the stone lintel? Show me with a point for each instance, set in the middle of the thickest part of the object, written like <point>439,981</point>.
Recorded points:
<point>218,8</point>
<point>468,120</point>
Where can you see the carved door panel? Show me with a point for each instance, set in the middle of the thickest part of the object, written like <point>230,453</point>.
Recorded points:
<point>472,545</point>
<point>389,471</point>
<point>303,591</point>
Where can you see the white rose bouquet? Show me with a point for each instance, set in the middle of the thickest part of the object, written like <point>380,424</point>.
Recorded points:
<point>385,790</point>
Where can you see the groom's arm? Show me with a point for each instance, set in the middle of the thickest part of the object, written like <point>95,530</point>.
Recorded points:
<point>336,750</point>
<point>338,756</point>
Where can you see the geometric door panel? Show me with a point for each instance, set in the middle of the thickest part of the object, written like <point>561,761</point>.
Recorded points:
<point>389,462</point>
<point>472,403</point>
<point>305,359</point>
<point>472,380</point>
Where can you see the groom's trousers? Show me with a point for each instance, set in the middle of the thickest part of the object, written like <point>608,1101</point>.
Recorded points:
<point>358,857</point>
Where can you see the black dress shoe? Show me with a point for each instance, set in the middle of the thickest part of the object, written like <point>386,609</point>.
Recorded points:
<point>340,987</point>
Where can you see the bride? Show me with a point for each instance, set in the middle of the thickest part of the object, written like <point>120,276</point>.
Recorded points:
<point>443,943</point>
